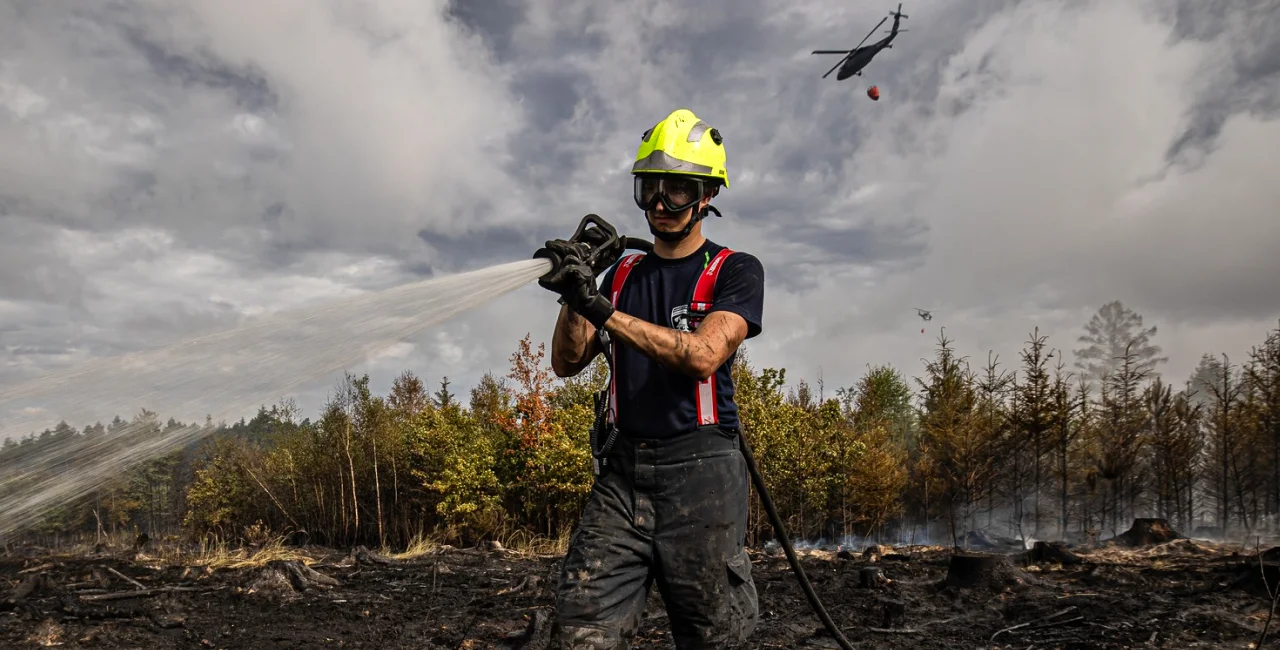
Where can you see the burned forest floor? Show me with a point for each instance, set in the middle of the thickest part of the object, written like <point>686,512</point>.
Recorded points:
<point>1178,594</point>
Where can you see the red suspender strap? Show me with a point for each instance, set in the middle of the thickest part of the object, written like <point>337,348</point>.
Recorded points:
<point>703,292</point>
<point>619,278</point>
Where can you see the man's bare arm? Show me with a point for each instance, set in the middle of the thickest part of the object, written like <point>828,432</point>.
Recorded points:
<point>696,354</point>
<point>573,345</point>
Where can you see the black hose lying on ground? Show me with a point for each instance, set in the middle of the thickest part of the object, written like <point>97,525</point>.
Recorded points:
<point>781,532</point>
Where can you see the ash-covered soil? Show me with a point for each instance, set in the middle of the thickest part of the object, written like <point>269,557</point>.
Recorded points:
<point>1179,594</point>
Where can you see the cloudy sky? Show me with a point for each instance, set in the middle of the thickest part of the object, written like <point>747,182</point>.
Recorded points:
<point>167,167</point>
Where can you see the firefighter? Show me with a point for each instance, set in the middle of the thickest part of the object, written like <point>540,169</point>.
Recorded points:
<point>668,504</point>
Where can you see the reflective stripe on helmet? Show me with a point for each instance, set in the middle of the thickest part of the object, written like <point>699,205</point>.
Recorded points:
<point>661,161</point>
<point>695,133</point>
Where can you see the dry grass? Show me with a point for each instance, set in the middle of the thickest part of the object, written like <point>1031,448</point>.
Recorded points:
<point>264,546</point>
<point>215,553</point>
<point>420,545</point>
<point>220,555</point>
<point>515,542</point>
<point>525,544</point>
<point>85,545</point>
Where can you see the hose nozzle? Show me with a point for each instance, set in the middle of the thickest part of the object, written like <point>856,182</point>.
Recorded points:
<point>595,242</point>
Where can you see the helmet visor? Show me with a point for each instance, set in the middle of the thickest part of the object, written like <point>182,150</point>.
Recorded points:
<point>676,193</point>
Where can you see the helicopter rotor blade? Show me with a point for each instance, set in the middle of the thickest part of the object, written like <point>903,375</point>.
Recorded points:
<point>873,30</point>
<point>855,49</point>
<point>838,64</point>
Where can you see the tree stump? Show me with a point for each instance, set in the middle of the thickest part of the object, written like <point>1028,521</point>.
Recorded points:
<point>875,552</point>
<point>988,570</point>
<point>894,614</point>
<point>870,577</point>
<point>1260,579</point>
<point>1147,531</point>
<point>362,555</point>
<point>1050,552</point>
<point>286,579</point>
<point>974,569</point>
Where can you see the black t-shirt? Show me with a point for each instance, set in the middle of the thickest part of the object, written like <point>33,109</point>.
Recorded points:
<point>653,400</point>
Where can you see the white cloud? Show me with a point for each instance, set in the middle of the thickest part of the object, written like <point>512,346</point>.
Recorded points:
<point>179,166</point>
<point>1040,205</point>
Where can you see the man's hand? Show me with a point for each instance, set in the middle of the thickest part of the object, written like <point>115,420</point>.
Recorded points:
<point>582,296</point>
<point>605,256</point>
<point>561,279</point>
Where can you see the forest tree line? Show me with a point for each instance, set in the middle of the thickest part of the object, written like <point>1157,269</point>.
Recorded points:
<point>1032,448</point>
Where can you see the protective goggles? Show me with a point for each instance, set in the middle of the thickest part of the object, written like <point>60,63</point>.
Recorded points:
<point>676,193</point>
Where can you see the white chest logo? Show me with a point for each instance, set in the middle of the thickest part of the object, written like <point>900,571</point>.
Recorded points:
<point>682,320</point>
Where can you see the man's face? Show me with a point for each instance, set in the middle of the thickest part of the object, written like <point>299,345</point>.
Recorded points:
<point>668,221</point>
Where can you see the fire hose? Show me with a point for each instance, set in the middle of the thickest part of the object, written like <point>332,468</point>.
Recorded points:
<point>600,247</point>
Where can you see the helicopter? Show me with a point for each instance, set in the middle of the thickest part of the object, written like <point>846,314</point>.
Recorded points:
<point>856,59</point>
<point>925,314</point>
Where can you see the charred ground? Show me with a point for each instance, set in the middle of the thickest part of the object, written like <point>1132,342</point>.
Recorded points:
<point>1124,594</point>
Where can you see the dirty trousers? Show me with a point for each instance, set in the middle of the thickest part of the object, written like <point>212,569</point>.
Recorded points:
<point>672,511</point>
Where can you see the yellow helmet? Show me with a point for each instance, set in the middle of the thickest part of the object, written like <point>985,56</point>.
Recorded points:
<point>676,146</point>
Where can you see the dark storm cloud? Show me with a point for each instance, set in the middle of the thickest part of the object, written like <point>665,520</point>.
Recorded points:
<point>552,95</point>
<point>494,20</point>
<point>865,244</point>
<point>484,248</point>
<point>248,86</point>
<point>555,96</point>
<point>1250,80</point>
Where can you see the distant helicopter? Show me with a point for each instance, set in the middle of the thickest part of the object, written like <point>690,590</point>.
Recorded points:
<point>926,315</point>
<point>856,59</point>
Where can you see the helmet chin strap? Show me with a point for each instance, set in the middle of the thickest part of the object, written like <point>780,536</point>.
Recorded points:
<point>673,237</point>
